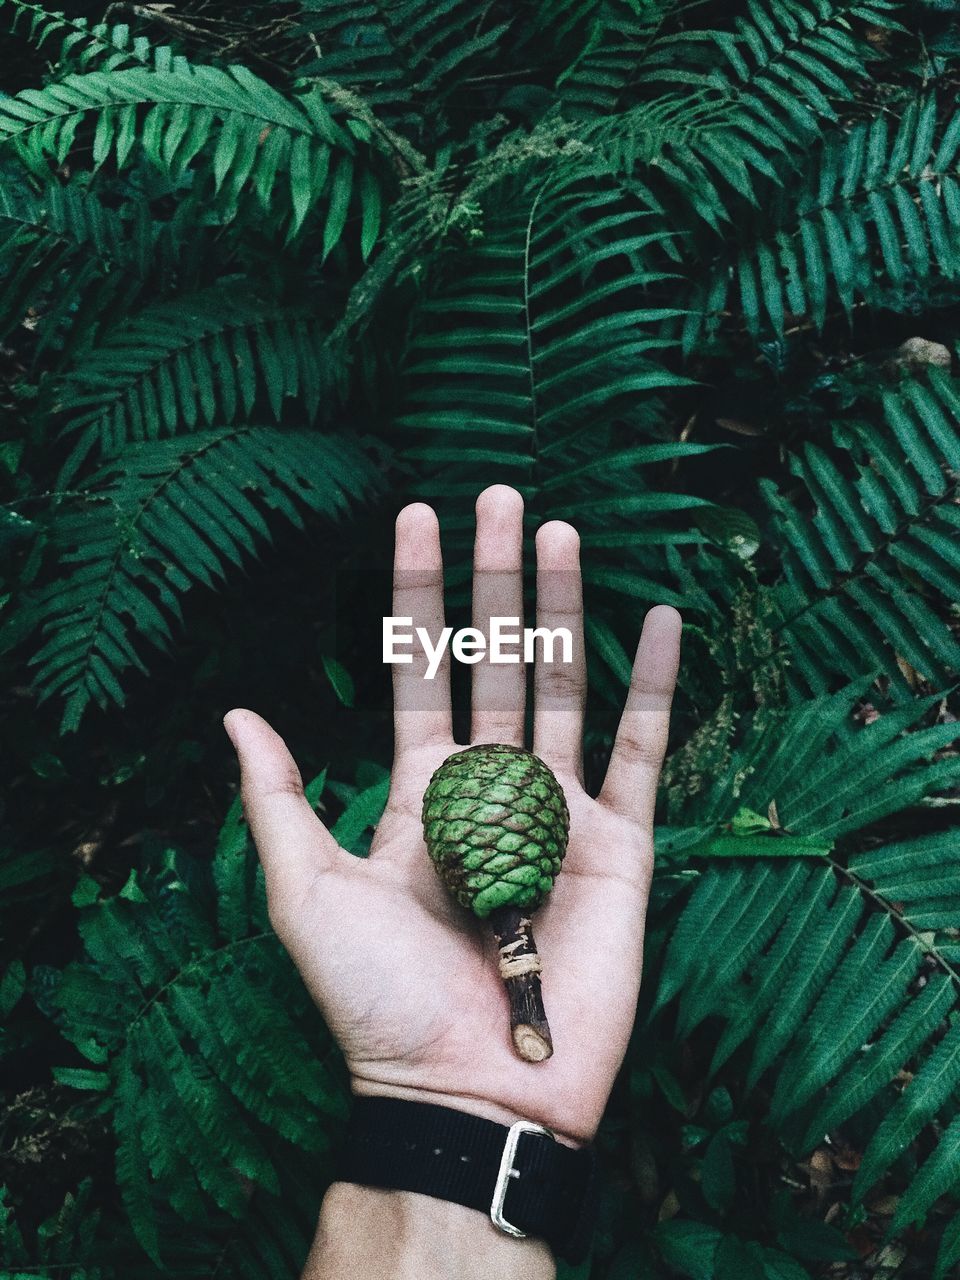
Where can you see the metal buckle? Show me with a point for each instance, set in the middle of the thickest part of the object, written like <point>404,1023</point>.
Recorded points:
<point>507,1171</point>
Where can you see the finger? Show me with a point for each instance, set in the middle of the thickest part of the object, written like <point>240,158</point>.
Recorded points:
<point>292,842</point>
<point>421,701</point>
<point>630,786</point>
<point>498,690</point>
<point>560,687</point>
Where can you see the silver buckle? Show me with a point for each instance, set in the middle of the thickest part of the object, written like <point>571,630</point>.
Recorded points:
<point>507,1171</point>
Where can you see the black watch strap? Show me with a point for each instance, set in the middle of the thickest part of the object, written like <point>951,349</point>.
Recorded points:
<point>452,1155</point>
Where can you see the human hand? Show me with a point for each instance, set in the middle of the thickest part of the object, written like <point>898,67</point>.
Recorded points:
<point>406,979</point>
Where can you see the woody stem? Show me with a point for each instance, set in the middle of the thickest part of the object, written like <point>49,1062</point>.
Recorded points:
<point>520,970</point>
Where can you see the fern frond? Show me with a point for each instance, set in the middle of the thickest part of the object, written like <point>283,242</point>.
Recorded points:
<point>922,874</point>
<point>823,783</point>
<point>872,568</point>
<point>784,64</point>
<point>250,1075</point>
<point>401,54</point>
<point>874,203</point>
<point>103,46</point>
<point>821,955</point>
<point>209,1048</point>
<point>187,363</point>
<point>555,379</point>
<point>608,40</point>
<point>231,875</point>
<point>41,234</point>
<point>211,1109</point>
<point>881,771</point>
<point>65,1241</point>
<point>830,1004</point>
<point>948,1255</point>
<point>248,131</point>
<point>929,1092</point>
<point>132,1162</point>
<point>71,261</point>
<point>664,132</point>
<point>153,525</point>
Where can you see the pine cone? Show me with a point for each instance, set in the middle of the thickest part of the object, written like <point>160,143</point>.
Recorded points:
<point>495,823</point>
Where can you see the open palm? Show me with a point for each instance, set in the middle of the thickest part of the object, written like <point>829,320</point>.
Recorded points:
<point>406,979</point>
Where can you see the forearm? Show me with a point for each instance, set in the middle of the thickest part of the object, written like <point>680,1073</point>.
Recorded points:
<point>368,1234</point>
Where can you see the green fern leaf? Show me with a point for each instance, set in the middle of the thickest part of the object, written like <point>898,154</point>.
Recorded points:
<point>878,1062</point>
<point>782,65</point>
<point>820,964</point>
<point>550,378</point>
<point>949,1252</point>
<point>186,364</point>
<point>208,1058</point>
<point>607,39</point>
<point>170,528</point>
<point>845,583</point>
<point>104,46</point>
<point>174,112</point>
<point>928,1091</point>
<point>871,204</point>
<point>398,54</point>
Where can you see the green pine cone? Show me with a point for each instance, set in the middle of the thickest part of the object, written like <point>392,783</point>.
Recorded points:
<point>495,821</point>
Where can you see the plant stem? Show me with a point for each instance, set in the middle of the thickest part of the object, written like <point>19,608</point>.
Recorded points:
<point>520,970</point>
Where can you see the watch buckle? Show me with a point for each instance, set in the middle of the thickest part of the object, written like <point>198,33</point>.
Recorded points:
<point>507,1171</point>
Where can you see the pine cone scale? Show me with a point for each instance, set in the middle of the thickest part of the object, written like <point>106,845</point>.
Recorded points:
<point>495,823</point>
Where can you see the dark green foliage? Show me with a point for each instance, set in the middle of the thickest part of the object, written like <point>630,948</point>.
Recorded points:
<point>819,948</point>
<point>401,58</point>
<point>198,1034</point>
<point>65,1240</point>
<point>873,201</point>
<point>834,963</point>
<point>685,275</point>
<point>864,573</point>
<point>167,527</point>
<point>188,363</point>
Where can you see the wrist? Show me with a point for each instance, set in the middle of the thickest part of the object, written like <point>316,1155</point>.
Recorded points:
<point>402,1235</point>
<point>484,1107</point>
<point>522,1181</point>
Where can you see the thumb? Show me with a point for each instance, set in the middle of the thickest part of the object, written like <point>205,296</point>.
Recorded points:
<point>292,842</point>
